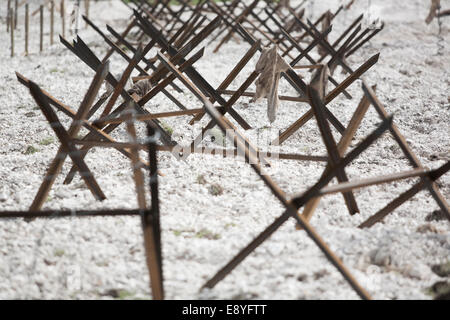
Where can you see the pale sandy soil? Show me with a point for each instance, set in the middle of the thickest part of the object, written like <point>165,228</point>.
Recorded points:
<point>85,258</point>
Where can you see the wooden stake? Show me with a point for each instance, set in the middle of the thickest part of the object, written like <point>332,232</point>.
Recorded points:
<point>26,28</point>
<point>41,20</point>
<point>8,15</point>
<point>63,19</point>
<point>52,20</point>
<point>15,14</point>
<point>75,19</point>
<point>11,14</point>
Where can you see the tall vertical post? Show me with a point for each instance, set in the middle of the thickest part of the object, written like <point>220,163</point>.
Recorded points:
<point>77,13</point>
<point>63,19</point>
<point>26,28</point>
<point>41,21</point>
<point>151,223</point>
<point>11,14</point>
<point>8,15</point>
<point>52,20</point>
<point>15,13</point>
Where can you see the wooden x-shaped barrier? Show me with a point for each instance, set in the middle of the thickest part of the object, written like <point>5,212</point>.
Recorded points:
<point>293,205</point>
<point>149,217</point>
<point>176,40</point>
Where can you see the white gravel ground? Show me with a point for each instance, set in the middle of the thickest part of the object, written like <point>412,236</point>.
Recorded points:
<point>87,258</point>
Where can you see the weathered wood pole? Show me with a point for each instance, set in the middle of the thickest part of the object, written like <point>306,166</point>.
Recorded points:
<point>41,20</point>
<point>52,20</point>
<point>63,19</point>
<point>15,13</point>
<point>8,15</point>
<point>77,13</point>
<point>11,14</point>
<point>26,28</point>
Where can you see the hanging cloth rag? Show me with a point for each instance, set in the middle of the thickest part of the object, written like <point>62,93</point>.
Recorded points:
<point>326,23</point>
<point>435,5</point>
<point>141,88</point>
<point>319,80</point>
<point>269,65</point>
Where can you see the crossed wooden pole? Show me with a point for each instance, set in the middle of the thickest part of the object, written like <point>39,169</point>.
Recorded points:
<point>291,206</point>
<point>319,189</point>
<point>149,217</point>
<point>170,63</point>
